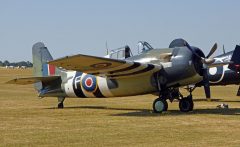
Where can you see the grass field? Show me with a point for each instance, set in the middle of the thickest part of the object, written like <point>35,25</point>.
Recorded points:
<point>26,120</point>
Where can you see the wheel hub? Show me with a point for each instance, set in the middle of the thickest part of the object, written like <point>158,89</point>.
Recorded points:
<point>159,106</point>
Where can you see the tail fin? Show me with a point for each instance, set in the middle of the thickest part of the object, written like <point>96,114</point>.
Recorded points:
<point>41,68</point>
<point>41,56</point>
<point>235,59</point>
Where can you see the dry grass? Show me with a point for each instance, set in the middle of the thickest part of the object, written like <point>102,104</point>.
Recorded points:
<point>128,121</point>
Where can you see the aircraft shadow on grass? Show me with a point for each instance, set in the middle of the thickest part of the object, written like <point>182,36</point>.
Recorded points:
<point>217,100</point>
<point>149,113</point>
<point>144,113</point>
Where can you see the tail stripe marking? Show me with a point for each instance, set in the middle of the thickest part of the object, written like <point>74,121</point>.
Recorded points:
<point>51,69</point>
<point>48,70</point>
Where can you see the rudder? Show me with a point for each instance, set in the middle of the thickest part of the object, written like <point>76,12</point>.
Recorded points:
<point>235,59</point>
<point>41,56</point>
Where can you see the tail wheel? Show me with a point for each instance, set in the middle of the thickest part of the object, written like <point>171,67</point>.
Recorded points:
<point>60,102</point>
<point>186,104</point>
<point>160,105</point>
<point>60,106</point>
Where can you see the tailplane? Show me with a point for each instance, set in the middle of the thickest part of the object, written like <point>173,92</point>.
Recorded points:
<point>46,78</point>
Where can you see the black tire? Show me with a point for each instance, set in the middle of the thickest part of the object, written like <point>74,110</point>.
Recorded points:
<point>192,104</point>
<point>165,105</point>
<point>159,105</point>
<point>60,106</point>
<point>186,104</point>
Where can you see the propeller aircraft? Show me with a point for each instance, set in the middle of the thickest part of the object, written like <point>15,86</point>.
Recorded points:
<point>225,74</point>
<point>160,71</point>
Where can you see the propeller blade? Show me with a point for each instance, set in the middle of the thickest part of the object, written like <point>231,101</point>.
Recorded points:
<point>190,48</point>
<point>213,49</point>
<point>207,91</point>
<point>238,93</point>
<point>208,61</point>
<point>206,84</point>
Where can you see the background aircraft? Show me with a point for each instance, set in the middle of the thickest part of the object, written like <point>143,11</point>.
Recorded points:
<point>225,74</point>
<point>154,70</point>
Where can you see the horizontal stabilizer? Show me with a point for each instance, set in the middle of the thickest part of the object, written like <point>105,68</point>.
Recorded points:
<point>32,80</point>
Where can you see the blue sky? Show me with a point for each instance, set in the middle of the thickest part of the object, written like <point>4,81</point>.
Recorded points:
<point>75,26</point>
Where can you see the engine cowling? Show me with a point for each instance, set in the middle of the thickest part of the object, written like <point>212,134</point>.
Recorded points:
<point>186,67</point>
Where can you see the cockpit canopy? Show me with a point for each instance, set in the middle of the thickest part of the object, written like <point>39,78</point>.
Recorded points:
<point>143,46</point>
<point>120,53</point>
<point>125,52</point>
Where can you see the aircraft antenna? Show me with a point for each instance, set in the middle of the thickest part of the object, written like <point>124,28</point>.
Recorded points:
<point>223,50</point>
<point>106,47</point>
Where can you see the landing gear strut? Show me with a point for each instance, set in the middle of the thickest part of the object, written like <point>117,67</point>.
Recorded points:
<point>185,103</point>
<point>60,102</point>
<point>160,104</point>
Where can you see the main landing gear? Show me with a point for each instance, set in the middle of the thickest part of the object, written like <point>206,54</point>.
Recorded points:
<point>185,103</point>
<point>60,102</point>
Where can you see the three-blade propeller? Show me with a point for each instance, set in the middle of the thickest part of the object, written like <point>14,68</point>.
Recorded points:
<point>206,62</point>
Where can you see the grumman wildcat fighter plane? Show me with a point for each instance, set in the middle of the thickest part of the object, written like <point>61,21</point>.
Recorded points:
<point>154,70</point>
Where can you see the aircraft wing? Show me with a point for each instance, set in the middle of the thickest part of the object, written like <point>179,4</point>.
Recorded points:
<point>32,80</point>
<point>111,68</point>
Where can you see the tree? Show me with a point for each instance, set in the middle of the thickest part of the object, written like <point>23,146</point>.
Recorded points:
<point>6,63</point>
<point>29,64</point>
<point>22,63</point>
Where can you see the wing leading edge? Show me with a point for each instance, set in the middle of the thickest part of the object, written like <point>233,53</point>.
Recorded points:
<point>111,68</point>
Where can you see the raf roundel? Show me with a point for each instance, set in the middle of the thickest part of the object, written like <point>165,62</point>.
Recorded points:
<point>101,65</point>
<point>89,83</point>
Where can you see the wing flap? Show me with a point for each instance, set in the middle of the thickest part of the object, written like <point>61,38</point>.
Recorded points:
<point>32,80</point>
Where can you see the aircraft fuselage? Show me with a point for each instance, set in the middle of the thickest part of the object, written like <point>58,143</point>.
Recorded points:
<point>222,75</point>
